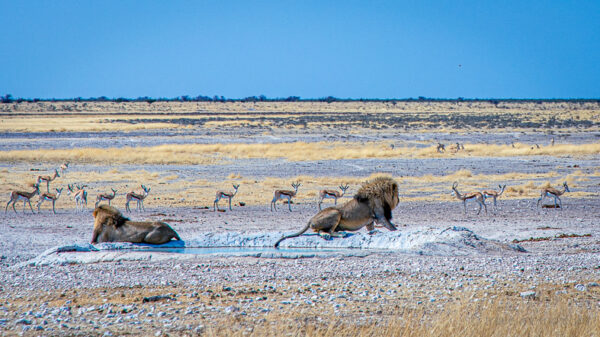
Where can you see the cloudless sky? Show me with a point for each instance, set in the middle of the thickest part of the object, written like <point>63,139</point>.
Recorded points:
<point>311,49</point>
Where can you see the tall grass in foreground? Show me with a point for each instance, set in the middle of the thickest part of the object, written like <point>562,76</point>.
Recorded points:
<point>297,151</point>
<point>465,320</point>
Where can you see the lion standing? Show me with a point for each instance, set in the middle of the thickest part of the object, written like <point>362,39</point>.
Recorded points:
<point>373,202</point>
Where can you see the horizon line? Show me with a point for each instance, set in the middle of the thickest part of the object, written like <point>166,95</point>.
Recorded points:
<point>8,98</point>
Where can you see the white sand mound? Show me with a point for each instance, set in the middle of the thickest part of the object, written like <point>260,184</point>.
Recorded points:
<point>422,240</point>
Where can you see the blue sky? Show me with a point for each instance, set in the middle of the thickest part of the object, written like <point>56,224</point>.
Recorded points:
<point>311,49</point>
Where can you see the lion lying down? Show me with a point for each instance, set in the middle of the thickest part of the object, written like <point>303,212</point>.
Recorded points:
<point>111,226</point>
<point>373,203</point>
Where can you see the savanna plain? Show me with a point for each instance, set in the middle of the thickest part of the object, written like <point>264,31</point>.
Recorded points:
<point>541,279</point>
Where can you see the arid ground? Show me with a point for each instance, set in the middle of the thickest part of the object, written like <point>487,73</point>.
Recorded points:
<point>547,283</point>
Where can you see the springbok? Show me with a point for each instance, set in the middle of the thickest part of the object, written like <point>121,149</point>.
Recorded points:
<point>553,192</point>
<point>139,198</point>
<point>285,194</point>
<point>494,194</point>
<point>50,197</point>
<point>48,179</point>
<point>64,167</point>
<point>477,196</point>
<point>105,196</point>
<point>22,195</point>
<point>80,196</point>
<point>221,194</point>
<point>331,194</point>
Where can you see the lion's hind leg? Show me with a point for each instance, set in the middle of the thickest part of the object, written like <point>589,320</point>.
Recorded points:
<point>160,235</point>
<point>326,222</point>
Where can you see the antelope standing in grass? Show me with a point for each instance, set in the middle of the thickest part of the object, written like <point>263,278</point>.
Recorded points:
<point>138,197</point>
<point>64,167</point>
<point>494,194</point>
<point>48,179</point>
<point>285,194</point>
<point>477,196</point>
<point>553,192</point>
<point>105,196</point>
<point>79,194</point>
<point>22,195</point>
<point>50,197</point>
<point>221,194</point>
<point>331,194</point>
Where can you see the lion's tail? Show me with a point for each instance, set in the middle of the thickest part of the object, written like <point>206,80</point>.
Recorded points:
<point>293,235</point>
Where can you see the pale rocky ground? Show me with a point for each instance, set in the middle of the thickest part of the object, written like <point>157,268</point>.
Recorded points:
<point>108,298</point>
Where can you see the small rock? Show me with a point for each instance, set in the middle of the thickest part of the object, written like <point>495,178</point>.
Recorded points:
<point>156,298</point>
<point>23,321</point>
<point>528,294</point>
<point>593,284</point>
<point>231,309</point>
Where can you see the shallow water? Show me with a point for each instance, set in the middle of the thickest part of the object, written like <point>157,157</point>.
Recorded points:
<point>241,250</point>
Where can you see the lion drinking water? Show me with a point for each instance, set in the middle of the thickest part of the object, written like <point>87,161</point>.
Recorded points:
<point>373,203</point>
<point>111,226</point>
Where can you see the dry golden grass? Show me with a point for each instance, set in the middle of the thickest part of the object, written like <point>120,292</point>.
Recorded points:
<point>73,124</point>
<point>297,151</point>
<point>492,318</point>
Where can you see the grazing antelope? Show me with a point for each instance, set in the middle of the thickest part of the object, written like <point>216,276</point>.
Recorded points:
<point>221,194</point>
<point>64,167</point>
<point>51,197</point>
<point>48,179</point>
<point>80,196</point>
<point>285,194</point>
<point>477,196</point>
<point>139,197</point>
<point>553,192</point>
<point>331,194</point>
<point>105,196</point>
<point>22,195</point>
<point>494,194</point>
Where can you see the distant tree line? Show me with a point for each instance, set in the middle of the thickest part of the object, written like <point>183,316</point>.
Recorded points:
<point>8,98</point>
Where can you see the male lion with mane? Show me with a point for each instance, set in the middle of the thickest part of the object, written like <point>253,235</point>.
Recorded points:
<point>111,226</point>
<point>373,203</point>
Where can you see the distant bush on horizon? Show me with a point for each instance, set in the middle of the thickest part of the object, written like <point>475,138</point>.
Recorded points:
<point>8,98</point>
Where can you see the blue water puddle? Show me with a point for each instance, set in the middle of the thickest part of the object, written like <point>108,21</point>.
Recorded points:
<point>242,250</point>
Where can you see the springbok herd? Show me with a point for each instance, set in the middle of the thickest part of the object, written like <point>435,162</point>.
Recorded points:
<point>79,195</point>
